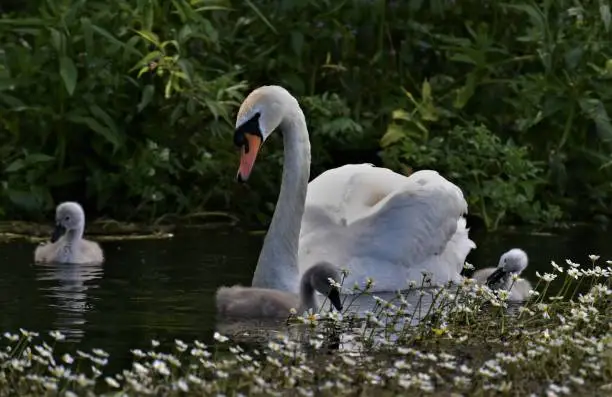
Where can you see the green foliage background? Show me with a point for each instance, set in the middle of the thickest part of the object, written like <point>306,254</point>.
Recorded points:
<point>508,100</point>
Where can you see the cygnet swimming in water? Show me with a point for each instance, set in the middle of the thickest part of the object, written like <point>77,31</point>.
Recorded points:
<point>250,302</point>
<point>500,277</point>
<point>67,243</point>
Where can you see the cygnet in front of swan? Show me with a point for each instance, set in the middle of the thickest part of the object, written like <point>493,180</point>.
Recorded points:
<point>377,223</point>
<point>500,277</point>
<point>252,302</point>
<point>67,243</point>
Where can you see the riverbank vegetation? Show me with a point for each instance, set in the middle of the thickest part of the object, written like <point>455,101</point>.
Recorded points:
<point>128,106</point>
<point>469,341</point>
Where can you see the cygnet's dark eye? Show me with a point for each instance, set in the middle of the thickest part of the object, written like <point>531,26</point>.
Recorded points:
<point>67,218</point>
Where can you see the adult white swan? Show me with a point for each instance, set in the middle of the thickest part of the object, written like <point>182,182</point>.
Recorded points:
<point>370,220</point>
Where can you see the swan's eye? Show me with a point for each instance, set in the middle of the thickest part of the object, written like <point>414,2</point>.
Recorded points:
<point>67,218</point>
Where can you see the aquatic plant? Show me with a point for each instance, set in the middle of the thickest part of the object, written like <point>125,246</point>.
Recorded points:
<point>466,342</point>
<point>129,111</point>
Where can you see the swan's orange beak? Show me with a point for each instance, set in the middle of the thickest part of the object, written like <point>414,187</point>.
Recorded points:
<point>248,155</point>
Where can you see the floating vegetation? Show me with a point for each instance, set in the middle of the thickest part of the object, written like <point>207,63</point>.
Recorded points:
<point>112,230</point>
<point>467,341</point>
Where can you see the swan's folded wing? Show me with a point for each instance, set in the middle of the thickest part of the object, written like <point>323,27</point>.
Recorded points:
<point>317,218</point>
<point>412,224</point>
<point>340,195</point>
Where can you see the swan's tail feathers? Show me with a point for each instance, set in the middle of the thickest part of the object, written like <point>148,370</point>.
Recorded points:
<point>462,235</point>
<point>460,244</point>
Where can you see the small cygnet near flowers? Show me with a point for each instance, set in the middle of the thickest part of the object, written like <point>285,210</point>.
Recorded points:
<point>510,263</point>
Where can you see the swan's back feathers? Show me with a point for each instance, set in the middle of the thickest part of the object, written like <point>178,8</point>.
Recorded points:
<point>345,192</point>
<point>250,302</point>
<point>419,220</point>
<point>393,225</point>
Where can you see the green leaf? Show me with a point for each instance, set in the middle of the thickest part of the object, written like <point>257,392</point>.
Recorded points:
<point>96,127</point>
<point>34,158</point>
<point>466,92</point>
<point>57,40</point>
<point>144,62</point>
<point>69,74</point>
<point>595,110</point>
<point>104,33</point>
<point>100,114</point>
<point>15,166</point>
<point>401,114</point>
<point>213,8</point>
<point>185,33</point>
<point>261,16</point>
<point>147,95</point>
<point>150,37</point>
<point>573,57</point>
<point>8,84</point>
<point>394,134</point>
<point>604,12</point>
<point>24,199</point>
<point>426,91</point>
<point>88,35</point>
<point>297,43</point>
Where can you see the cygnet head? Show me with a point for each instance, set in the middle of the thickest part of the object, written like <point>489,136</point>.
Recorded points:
<point>317,278</point>
<point>263,110</point>
<point>511,262</point>
<point>68,216</point>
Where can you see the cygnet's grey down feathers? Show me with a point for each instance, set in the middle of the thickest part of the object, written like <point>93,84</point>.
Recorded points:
<point>67,243</point>
<point>249,302</point>
<point>512,262</point>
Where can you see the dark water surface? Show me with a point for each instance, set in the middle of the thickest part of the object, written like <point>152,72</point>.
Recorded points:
<point>164,289</point>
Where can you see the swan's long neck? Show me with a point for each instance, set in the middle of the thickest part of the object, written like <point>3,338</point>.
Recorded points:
<point>277,267</point>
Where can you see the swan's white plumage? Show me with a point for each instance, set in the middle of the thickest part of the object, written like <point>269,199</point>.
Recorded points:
<point>370,220</point>
<point>386,226</point>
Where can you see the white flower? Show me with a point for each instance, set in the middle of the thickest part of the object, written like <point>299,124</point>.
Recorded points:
<point>572,264</point>
<point>182,385</point>
<point>100,353</point>
<point>138,353</point>
<point>58,336</point>
<point>67,358</point>
<point>180,345</point>
<point>547,277</point>
<point>220,338</point>
<point>557,267</point>
<point>161,367</point>
<point>573,272</point>
<point>112,382</point>
<point>11,337</point>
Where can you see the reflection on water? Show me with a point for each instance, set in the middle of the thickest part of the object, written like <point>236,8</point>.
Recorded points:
<point>66,286</point>
<point>164,289</point>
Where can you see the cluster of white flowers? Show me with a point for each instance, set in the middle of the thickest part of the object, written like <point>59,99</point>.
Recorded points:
<point>464,339</point>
